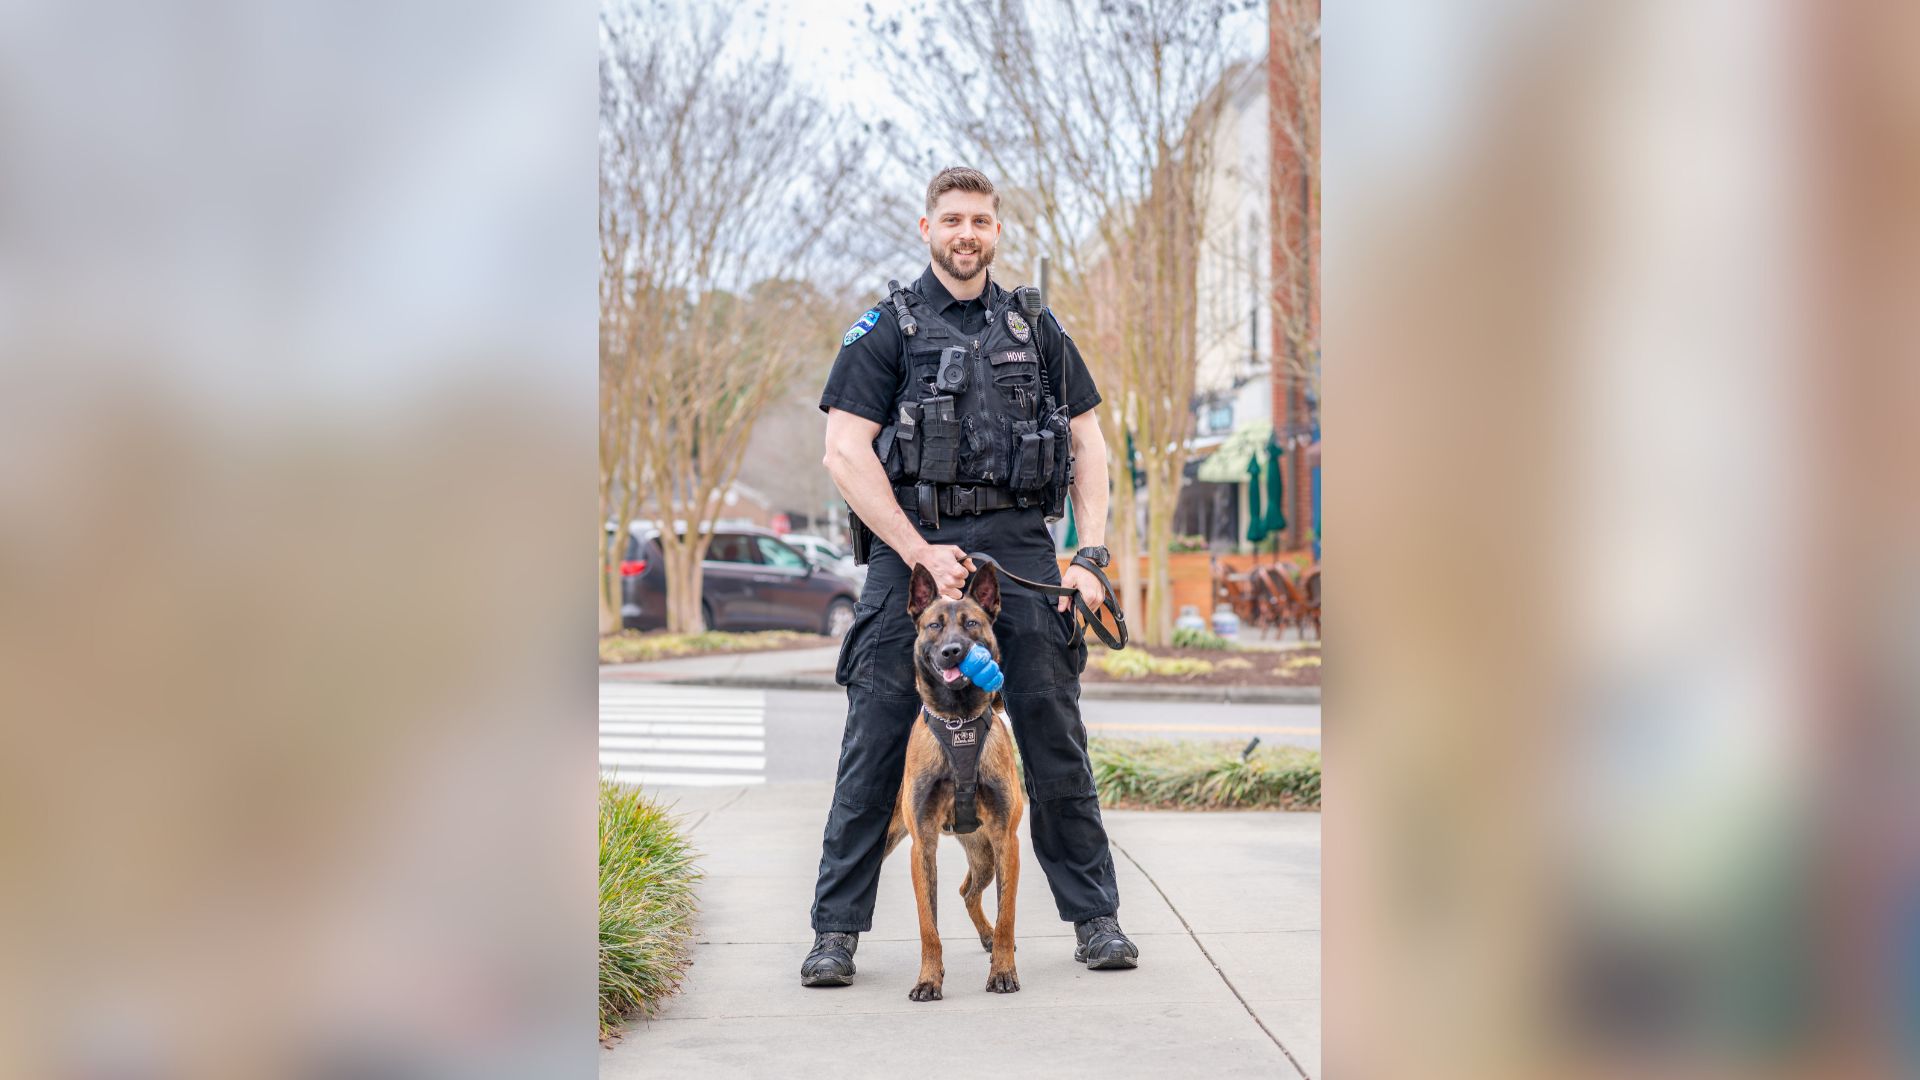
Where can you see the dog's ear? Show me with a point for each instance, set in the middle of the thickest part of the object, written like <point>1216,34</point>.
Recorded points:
<point>921,591</point>
<point>985,591</point>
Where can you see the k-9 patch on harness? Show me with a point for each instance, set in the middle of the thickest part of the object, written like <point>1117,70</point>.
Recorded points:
<point>859,328</point>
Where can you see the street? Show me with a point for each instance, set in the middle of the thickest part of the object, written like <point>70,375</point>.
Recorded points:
<point>659,734</point>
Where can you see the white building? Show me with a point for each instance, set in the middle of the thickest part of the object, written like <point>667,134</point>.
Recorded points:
<point>1232,332</point>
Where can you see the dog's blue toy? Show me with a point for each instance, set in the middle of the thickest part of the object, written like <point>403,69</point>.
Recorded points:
<point>978,666</point>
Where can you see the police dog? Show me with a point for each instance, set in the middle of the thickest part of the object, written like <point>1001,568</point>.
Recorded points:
<point>948,629</point>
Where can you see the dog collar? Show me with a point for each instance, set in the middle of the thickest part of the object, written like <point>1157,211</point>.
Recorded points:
<point>954,723</point>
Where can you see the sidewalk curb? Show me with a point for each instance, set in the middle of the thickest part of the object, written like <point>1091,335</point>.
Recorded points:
<point>1095,691</point>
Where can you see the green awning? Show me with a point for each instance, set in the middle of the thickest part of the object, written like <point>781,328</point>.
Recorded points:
<point>1228,464</point>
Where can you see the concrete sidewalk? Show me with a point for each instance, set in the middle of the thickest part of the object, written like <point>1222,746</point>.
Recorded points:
<point>812,669</point>
<point>1225,908</point>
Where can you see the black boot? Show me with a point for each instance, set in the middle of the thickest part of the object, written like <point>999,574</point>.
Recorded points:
<point>1102,944</point>
<point>831,961</point>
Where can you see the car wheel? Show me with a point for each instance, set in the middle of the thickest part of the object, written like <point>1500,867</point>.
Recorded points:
<point>706,615</point>
<point>839,617</point>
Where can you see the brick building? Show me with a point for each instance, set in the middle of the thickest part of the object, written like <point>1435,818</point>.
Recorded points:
<point>1293,110</point>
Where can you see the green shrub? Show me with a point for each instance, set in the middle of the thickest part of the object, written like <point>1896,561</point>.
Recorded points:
<point>1186,638</point>
<point>647,875</point>
<point>1204,776</point>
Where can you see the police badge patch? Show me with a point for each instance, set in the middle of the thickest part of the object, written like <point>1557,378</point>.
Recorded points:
<point>865,324</point>
<point>1017,326</point>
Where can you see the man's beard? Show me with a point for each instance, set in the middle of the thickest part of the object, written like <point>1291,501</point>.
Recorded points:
<point>945,258</point>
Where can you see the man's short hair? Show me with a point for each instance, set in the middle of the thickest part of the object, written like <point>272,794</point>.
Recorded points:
<point>960,178</point>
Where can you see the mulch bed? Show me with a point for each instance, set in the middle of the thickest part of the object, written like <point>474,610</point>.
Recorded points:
<point>785,644</point>
<point>1263,672</point>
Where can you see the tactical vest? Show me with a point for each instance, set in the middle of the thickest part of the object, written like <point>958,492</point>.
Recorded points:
<point>1000,427</point>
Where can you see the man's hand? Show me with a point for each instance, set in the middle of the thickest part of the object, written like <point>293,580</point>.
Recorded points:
<point>949,566</point>
<point>1080,579</point>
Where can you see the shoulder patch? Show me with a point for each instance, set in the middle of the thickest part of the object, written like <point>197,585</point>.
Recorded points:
<point>860,327</point>
<point>1056,323</point>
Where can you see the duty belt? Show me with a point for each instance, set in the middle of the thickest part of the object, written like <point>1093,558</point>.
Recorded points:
<point>960,740</point>
<point>930,501</point>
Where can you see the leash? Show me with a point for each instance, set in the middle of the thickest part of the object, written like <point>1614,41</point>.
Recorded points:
<point>1115,638</point>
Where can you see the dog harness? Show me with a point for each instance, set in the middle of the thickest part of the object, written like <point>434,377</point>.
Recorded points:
<point>960,739</point>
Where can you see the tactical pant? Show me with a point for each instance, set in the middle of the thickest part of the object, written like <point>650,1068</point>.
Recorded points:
<point>1042,653</point>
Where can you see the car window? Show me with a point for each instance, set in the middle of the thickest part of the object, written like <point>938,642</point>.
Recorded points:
<point>731,547</point>
<point>775,553</point>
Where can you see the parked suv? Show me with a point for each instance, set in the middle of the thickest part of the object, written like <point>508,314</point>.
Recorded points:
<point>750,581</point>
<point>828,556</point>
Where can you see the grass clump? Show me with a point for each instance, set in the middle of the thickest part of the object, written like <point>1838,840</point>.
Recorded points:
<point>1293,665</point>
<point>629,648</point>
<point>1140,664</point>
<point>1188,638</point>
<point>647,876</point>
<point>1204,776</point>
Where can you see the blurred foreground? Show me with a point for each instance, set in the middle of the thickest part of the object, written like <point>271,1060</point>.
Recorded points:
<point>1621,403</point>
<point>297,318</point>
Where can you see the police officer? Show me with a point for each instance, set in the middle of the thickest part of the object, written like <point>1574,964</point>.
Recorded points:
<point>951,438</point>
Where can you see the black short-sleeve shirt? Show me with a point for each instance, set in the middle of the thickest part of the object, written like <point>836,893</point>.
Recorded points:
<point>866,376</point>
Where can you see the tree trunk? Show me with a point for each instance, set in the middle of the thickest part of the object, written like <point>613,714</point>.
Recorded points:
<point>609,588</point>
<point>682,587</point>
<point>1124,540</point>
<point>1162,490</point>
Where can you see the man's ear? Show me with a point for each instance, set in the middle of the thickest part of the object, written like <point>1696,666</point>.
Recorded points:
<point>926,231</point>
<point>921,591</point>
<point>985,591</point>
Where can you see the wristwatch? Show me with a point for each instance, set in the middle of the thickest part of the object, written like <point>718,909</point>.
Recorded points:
<point>1098,556</point>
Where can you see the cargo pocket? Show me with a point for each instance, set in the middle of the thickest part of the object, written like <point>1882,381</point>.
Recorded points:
<point>854,652</point>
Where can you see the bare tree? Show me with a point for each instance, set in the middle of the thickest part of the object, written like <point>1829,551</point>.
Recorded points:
<point>1293,89</point>
<point>1103,118</point>
<point>716,172</point>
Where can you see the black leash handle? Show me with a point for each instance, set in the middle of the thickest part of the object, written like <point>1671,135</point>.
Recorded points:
<point>1115,638</point>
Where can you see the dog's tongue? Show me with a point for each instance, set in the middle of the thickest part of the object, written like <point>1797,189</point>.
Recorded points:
<point>950,674</point>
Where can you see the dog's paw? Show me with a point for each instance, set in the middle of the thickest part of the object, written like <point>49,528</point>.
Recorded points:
<point>1003,982</point>
<point>986,942</point>
<point>926,991</point>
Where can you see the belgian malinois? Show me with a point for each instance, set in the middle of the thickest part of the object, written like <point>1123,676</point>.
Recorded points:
<point>960,735</point>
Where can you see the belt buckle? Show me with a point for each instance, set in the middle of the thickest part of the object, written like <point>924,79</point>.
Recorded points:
<point>963,501</point>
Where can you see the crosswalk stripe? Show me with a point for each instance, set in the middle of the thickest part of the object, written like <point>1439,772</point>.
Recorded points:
<point>648,727</point>
<point>690,711</point>
<point>641,742</point>
<point>669,779</point>
<point>753,762</point>
<point>710,695</point>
